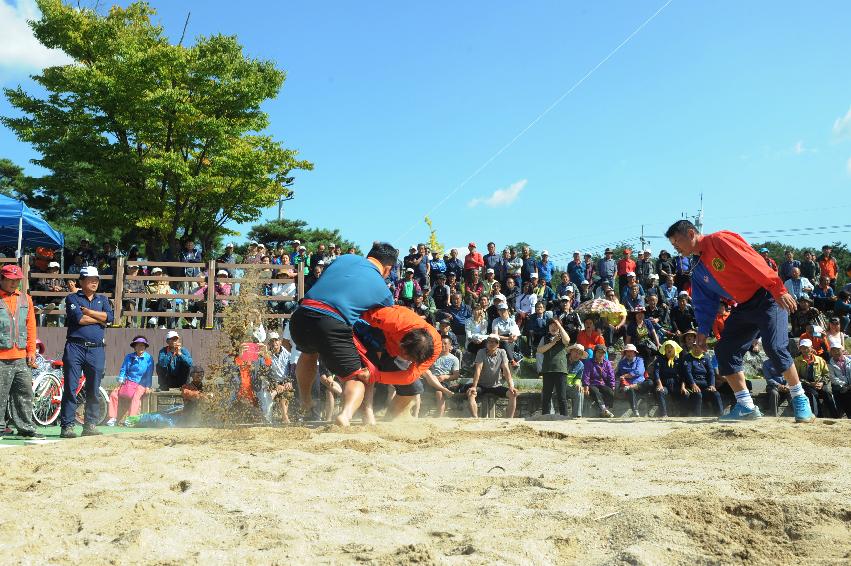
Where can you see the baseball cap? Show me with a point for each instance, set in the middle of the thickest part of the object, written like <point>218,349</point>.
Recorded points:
<point>805,343</point>
<point>577,252</point>
<point>502,306</point>
<point>584,282</point>
<point>805,297</point>
<point>631,274</point>
<point>230,245</point>
<point>222,272</point>
<point>608,251</point>
<point>499,296</point>
<point>296,242</point>
<point>273,336</point>
<point>817,330</point>
<point>53,264</point>
<point>89,272</point>
<point>156,270</point>
<point>473,244</point>
<point>545,252</point>
<point>533,275</point>
<point>630,348</point>
<point>564,298</point>
<point>682,294</point>
<point>763,250</point>
<point>12,271</point>
<point>490,270</point>
<point>171,334</point>
<point>409,270</point>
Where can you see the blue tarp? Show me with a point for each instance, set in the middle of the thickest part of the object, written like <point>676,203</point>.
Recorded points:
<point>36,232</point>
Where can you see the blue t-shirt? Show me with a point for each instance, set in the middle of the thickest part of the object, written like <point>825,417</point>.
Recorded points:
<point>351,285</point>
<point>73,313</point>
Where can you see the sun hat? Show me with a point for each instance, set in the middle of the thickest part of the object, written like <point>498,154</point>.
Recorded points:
<point>630,348</point>
<point>171,334</point>
<point>222,272</point>
<point>156,270</point>
<point>139,340</point>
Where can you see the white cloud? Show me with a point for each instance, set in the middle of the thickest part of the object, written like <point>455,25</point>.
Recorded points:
<point>842,126</point>
<point>19,49</point>
<point>799,148</point>
<point>501,197</point>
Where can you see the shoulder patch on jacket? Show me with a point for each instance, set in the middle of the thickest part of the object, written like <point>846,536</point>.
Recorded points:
<point>718,264</point>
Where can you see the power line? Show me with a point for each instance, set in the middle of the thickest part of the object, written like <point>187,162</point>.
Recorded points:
<point>538,118</point>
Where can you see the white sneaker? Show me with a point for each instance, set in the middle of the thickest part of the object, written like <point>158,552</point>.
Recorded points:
<point>152,321</point>
<point>110,422</point>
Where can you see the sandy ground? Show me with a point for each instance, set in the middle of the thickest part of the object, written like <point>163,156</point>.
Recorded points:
<point>682,491</point>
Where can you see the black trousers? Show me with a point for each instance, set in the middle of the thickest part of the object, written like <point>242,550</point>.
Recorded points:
<point>602,395</point>
<point>558,382</point>
<point>647,386</point>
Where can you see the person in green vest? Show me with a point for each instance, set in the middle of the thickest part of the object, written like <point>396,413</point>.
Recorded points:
<point>553,345</point>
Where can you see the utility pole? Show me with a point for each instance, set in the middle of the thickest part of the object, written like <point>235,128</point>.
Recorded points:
<point>698,220</point>
<point>281,206</point>
<point>642,239</point>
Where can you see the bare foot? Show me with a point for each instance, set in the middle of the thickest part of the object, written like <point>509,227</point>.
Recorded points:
<point>368,417</point>
<point>342,420</point>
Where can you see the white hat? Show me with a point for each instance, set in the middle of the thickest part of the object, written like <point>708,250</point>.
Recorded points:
<point>302,248</point>
<point>222,272</point>
<point>409,270</point>
<point>683,294</point>
<point>89,272</point>
<point>584,282</point>
<point>630,348</point>
<point>545,252</point>
<point>171,334</point>
<point>156,270</point>
<point>631,274</point>
<point>564,298</point>
<point>502,306</point>
<point>654,276</point>
<point>230,245</point>
<point>294,242</point>
<point>490,270</point>
<point>805,343</point>
<point>273,336</point>
<point>577,252</point>
<point>53,264</point>
<point>499,296</point>
<point>647,251</point>
<point>533,274</point>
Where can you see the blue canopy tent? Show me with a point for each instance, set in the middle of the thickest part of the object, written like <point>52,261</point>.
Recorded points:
<point>20,226</point>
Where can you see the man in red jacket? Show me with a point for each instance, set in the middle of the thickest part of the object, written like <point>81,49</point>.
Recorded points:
<point>625,265</point>
<point>729,268</point>
<point>473,261</point>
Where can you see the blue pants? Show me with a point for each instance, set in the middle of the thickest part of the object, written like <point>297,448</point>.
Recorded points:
<point>76,361</point>
<point>758,316</point>
<point>697,399</point>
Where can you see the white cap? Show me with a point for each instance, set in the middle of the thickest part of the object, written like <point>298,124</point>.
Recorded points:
<point>683,294</point>
<point>156,270</point>
<point>577,252</point>
<point>171,334</point>
<point>533,274</point>
<point>273,336</point>
<point>545,252</point>
<point>409,270</point>
<point>499,296</point>
<point>805,342</point>
<point>647,251</point>
<point>490,270</point>
<point>654,276</point>
<point>302,248</point>
<point>89,272</point>
<point>630,348</point>
<point>564,298</point>
<point>631,274</point>
<point>53,264</point>
<point>294,241</point>
<point>584,282</point>
<point>222,272</point>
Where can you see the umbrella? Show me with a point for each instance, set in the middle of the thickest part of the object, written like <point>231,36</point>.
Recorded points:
<point>614,313</point>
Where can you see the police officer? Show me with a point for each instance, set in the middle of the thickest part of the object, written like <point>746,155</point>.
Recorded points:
<point>87,316</point>
<point>17,352</point>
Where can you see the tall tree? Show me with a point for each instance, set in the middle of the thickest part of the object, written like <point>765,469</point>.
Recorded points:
<point>159,140</point>
<point>11,178</point>
<point>275,232</point>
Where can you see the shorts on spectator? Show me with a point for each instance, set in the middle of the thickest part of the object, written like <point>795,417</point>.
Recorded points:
<point>499,390</point>
<point>411,389</point>
<point>317,333</point>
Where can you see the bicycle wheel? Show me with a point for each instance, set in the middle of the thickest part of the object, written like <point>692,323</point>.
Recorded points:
<point>103,406</point>
<point>47,399</point>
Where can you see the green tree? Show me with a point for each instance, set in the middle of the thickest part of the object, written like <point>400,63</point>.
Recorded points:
<point>12,178</point>
<point>158,140</point>
<point>278,232</point>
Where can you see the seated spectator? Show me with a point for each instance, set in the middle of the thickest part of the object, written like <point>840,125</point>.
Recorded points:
<point>489,282</point>
<point>279,376</point>
<point>630,282</point>
<point>553,349</point>
<point>775,386</point>
<point>607,267</point>
<point>508,333</point>
<point>789,263</point>
<point>524,304</point>
<point>698,380</point>
<point>659,314</point>
<point>446,369</point>
<point>668,291</point>
<point>221,289</point>
<point>460,313</point>
<point>823,295</point>
<point>173,363</point>
<point>833,336</point>
<point>611,296</point>
<point>652,288</point>
<point>473,288</point>
<point>437,266</point>
<point>545,293</point>
<point>536,327</point>
<point>132,286</point>
<point>842,309</point>
<point>193,396</point>
<point>598,380</point>
<point>633,298</point>
<point>631,372</point>
<point>815,336</point>
<point>316,270</point>
<point>54,285</point>
<point>489,371</point>
<point>285,286</point>
<point>407,289</point>
<point>569,318</point>
<point>440,292</point>
<point>445,331</point>
<point>476,330</point>
<point>840,379</point>
<point>682,315</point>
<point>665,267</point>
<point>135,379</point>
<point>666,370</point>
<point>721,317</point>
<point>797,285</point>
<point>815,377</point>
<point>160,304</point>
<point>641,333</point>
<point>511,292</point>
<point>454,266</point>
<point>77,263</point>
<point>645,269</point>
<point>590,337</point>
<point>804,316</point>
<point>575,371</point>
<point>565,285</point>
<point>603,290</point>
<point>585,293</point>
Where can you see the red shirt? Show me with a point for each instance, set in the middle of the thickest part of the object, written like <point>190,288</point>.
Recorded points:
<point>625,266</point>
<point>395,323</point>
<point>474,260</point>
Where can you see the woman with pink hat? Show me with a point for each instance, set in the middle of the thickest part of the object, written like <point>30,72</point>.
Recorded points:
<point>134,380</point>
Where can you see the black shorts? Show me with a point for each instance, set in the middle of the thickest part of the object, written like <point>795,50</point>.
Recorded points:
<point>411,389</point>
<point>499,390</point>
<point>316,333</point>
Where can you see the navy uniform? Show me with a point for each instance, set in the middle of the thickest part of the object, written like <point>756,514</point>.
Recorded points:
<point>84,354</point>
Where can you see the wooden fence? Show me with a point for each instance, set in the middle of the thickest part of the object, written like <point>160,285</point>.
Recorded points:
<point>207,277</point>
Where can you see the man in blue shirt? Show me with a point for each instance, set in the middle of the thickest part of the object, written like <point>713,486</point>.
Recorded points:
<point>87,315</point>
<point>576,269</point>
<point>607,267</point>
<point>545,268</point>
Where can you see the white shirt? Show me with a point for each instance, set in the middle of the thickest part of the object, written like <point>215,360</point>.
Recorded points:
<point>294,353</point>
<point>505,327</point>
<point>798,286</point>
<point>526,303</point>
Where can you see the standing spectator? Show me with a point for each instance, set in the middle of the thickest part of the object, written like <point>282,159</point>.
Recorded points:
<point>665,266</point>
<point>545,269</point>
<point>77,264</point>
<point>840,379</point>
<point>190,254</point>
<point>645,269</point>
<point>413,259</point>
<point>515,267</point>
<point>454,265</point>
<point>17,353</point>
<point>797,285</point>
<point>598,380</point>
<point>699,381</point>
<point>827,265</point>
<point>87,314</point>
<point>815,377</point>
<point>135,379</point>
<point>789,263</point>
<point>473,262</point>
<point>503,267</point>
<point>422,271</point>
<point>553,346</point>
<point>768,259</point>
<point>576,270</point>
<point>440,292</point>
<point>318,255</point>
<point>809,268</point>
<point>491,259</point>
<point>682,272</point>
<point>87,253</point>
<point>489,369</point>
<point>173,363</point>
<point>437,266</point>
<point>529,266</point>
<point>228,257</point>
<point>589,268</point>
<point>625,265</point>
<point>607,268</point>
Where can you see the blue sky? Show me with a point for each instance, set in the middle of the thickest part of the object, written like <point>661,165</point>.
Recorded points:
<point>398,104</point>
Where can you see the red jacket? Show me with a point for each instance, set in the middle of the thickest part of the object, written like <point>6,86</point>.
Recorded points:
<point>626,265</point>
<point>474,260</point>
<point>395,323</point>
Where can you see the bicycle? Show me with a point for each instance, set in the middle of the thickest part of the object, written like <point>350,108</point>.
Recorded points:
<point>47,397</point>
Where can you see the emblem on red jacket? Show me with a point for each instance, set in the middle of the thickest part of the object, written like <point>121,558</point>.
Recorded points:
<point>718,264</point>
